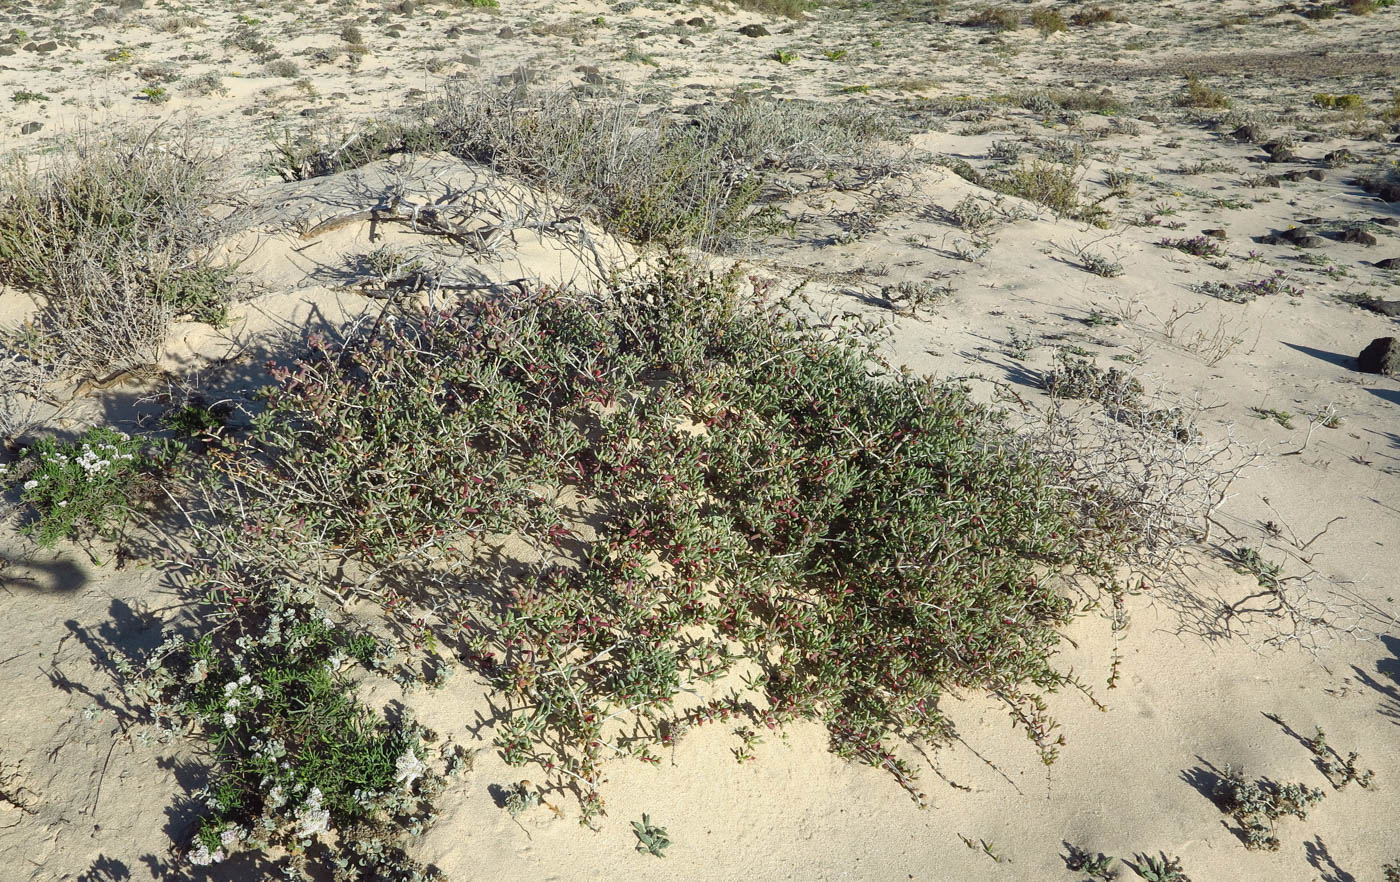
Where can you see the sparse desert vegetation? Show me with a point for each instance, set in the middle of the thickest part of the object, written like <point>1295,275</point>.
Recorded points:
<point>456,439</point>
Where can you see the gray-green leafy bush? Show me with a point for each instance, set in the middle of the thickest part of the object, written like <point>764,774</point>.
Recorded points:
<point>1258,805</point>
<point>750,496</point>
<point>654,177</point>
<point>113,237</point>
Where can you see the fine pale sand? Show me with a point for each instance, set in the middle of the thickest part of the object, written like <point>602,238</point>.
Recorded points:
<point>85,794</point>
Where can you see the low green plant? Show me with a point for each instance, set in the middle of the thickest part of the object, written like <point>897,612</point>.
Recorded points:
<point>1198,94</point>
<point>81,487</point>
<point>1338,102</point>
<point>1051,184</point>
<point>651,839</point>
<point>1095,865</point>
<point>1099,265</point>
<point>1159,868</point>
<point>1258,805</point>
<point>997,18</point>
<point>155,94</point>
<point>1282,417</point>
<point>1340,771</point>
<point>785,56</point>
<point>1200,246</point>
<point>1094,15</point>
<point>1047,21</point>
<point>1248,560</point>
<point>24,96</point>
<point>787,8</point>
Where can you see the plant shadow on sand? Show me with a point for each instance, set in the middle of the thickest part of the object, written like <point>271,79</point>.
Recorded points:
<point>1389,670</point>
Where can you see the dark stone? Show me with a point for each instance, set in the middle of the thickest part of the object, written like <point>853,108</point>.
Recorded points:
<point>1358,237</point>
<point>1339,157</point>
<point>1311,221</point>
<point>1389,192</point>
<point>1251,133</point>
<point>1273,181</point>
<point>506,33</point>
<point>30,128</point>
<point>1215,234</point>
<point>1294,176</point>
<point>1387,308</point>
<point>1388,263</point>
<point>696,22</point>
<point>754,30</point>
<point>6,50</point>
<point>1386,221</point>
<point>1317,174</point>
<point>1381,356</point>
<point>686,41</point>
<point>1313,138</point>
<point>46,46</point>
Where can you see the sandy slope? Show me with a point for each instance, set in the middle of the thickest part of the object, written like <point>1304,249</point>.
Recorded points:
<point>99,803</point>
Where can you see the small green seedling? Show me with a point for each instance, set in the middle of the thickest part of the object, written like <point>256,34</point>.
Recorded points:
<point>651,839</point>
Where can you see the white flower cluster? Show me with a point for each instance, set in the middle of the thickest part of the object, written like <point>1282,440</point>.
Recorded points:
<point>408,768</point>
<point>201,856</point>
<point>312,819</point>
<point>93,462</point>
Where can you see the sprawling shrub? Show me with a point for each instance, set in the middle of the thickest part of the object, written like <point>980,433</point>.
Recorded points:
<point>731,514</point>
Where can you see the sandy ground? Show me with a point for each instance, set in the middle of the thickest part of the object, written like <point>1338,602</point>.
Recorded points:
<point>86,794</point>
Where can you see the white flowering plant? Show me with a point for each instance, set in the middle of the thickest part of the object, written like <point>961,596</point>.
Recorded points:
<point>296,755</point>
<point>84,486</point>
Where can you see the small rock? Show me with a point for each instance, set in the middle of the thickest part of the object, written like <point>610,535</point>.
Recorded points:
<point>1250,133</point>
<point>6,50</point>
<point>1273,181</point>
<point>754,30</point>
<point>1215,234</point>
<point>1389,192</point>
<point>1313,138</point>
<point>1381,356</point>
<point>1317,174</point>
<point>1311,221</point>
<point>696,22</point>
<point>686,41</point>
<point>1388,263</point>
<point>1339,157</point>
<point>1294,176</point>
<point>30,128</point>
<point>1386,221</point>
<point>1358,237</point>
<point>1387,308</point>
<point>506,33</point>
